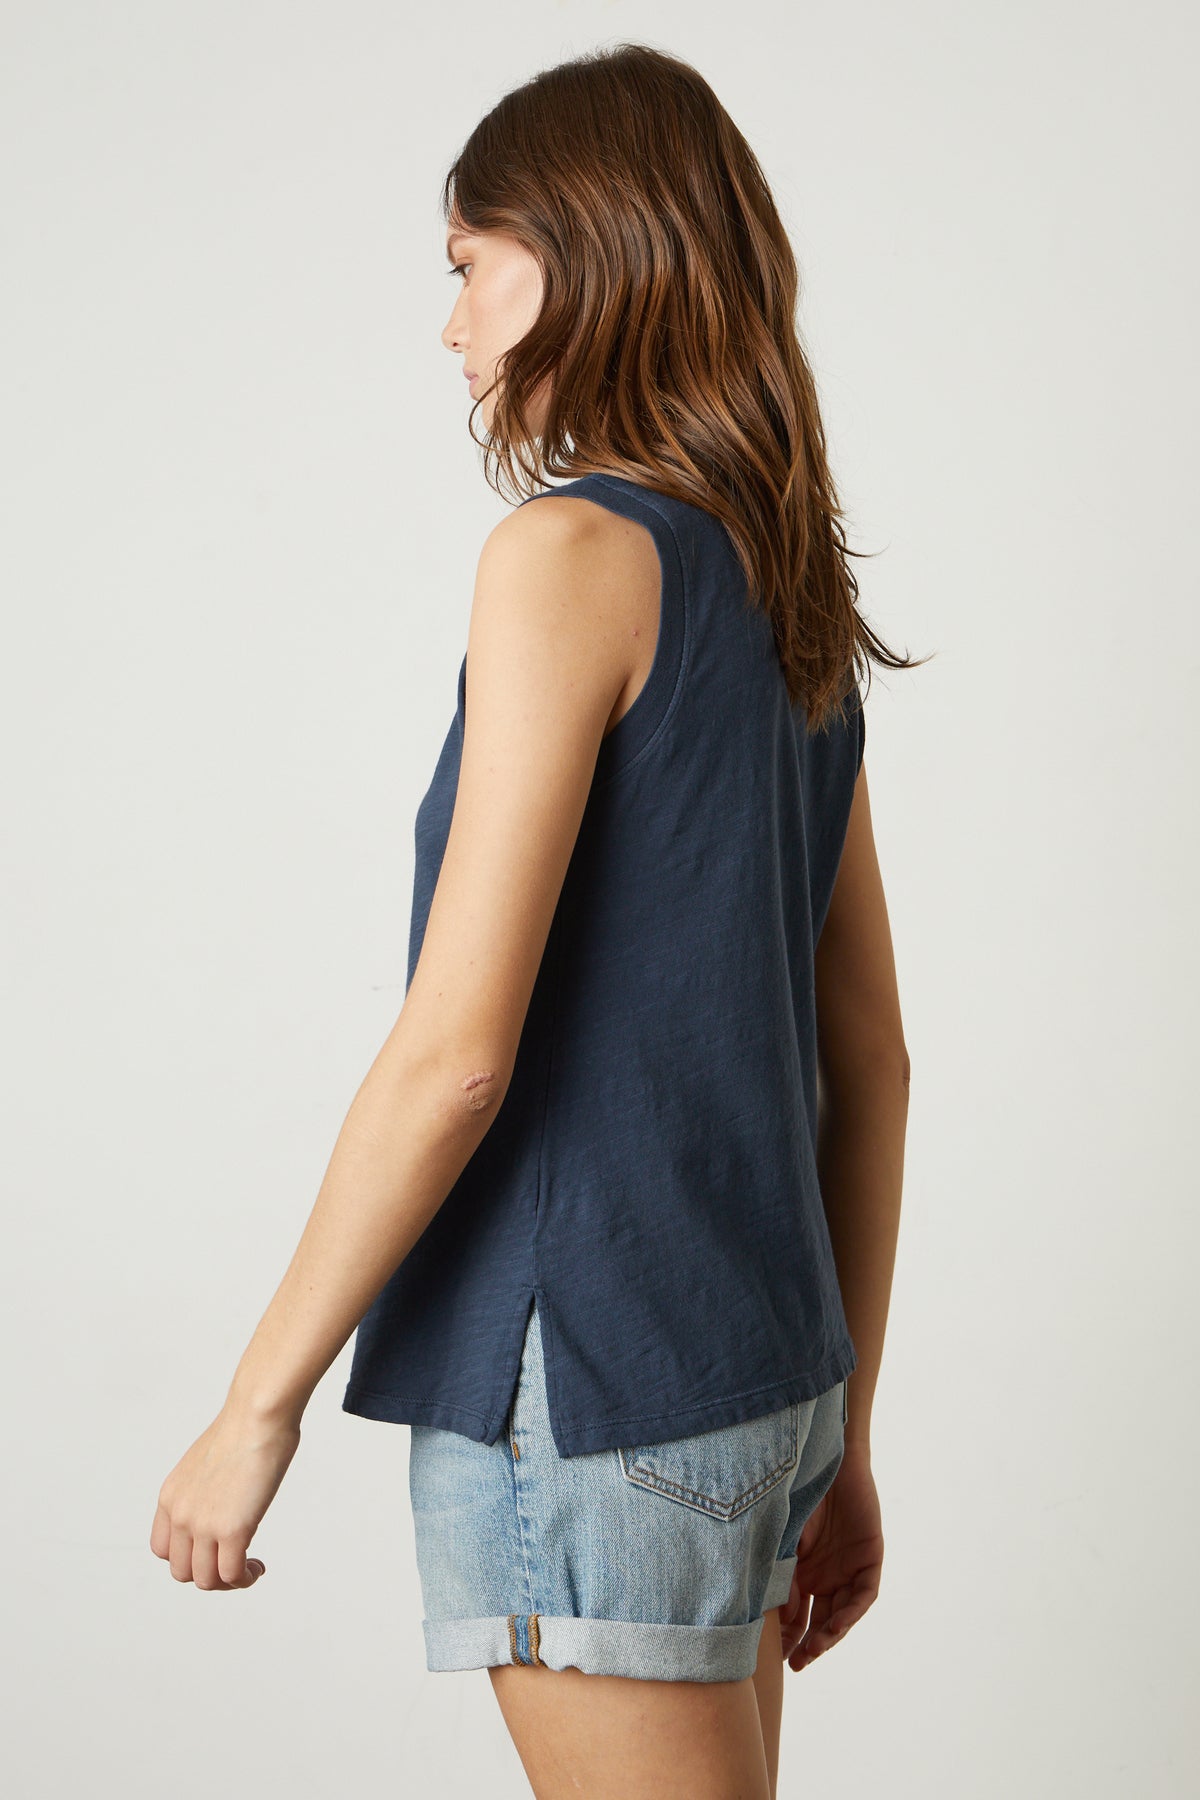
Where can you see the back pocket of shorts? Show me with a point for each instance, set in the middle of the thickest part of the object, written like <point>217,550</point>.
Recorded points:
<point>722,1471</point>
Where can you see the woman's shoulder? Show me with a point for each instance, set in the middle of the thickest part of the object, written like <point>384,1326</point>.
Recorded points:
<point>579,554</point>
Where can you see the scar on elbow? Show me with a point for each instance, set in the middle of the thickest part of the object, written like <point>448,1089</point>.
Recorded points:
<point>478,1089</point>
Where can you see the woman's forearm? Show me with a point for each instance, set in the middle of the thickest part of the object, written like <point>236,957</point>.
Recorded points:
<point>411,1129</point>
<point>860,1159</point>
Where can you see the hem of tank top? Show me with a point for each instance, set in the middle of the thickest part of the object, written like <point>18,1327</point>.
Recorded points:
<point>610,763</point>
<point>832,1368</point>
<point>397,1409</point>
<point>587,1437</point>
<point>600,1437</point>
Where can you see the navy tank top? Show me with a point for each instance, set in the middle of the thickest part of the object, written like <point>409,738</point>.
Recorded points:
<point>650,1176</point>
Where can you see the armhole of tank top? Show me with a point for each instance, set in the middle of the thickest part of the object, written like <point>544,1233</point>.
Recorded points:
<point>640,724</point>
<point>461,708</point>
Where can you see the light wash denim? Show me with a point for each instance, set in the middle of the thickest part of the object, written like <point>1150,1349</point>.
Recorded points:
<point>656,1561</point>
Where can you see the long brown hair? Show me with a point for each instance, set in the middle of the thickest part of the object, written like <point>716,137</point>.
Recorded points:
<point>667,339</point>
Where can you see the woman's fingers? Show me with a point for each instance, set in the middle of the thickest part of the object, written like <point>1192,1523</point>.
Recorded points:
<point>160,1532</point>
<point>224,1565</point>
<point>208,1563</point>
<point>180,1557</point>
<point>205,1573</point>
<point>832,1617</point>
<point>237,1569</point>
<point>815,1639</point>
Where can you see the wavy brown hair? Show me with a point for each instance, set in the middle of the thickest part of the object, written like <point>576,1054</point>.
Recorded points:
<point>667,346</point>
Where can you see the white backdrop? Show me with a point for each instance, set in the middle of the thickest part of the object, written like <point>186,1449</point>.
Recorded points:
<point>242,514</point>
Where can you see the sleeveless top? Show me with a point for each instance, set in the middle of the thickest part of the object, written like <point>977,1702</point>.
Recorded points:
<point>650,1175</point>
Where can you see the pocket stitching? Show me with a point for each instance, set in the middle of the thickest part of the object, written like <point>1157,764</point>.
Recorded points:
<point>674,1490</point>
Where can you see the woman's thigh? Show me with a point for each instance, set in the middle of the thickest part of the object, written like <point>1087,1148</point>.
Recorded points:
<point>613,1737</point>
<point>768,1689</point>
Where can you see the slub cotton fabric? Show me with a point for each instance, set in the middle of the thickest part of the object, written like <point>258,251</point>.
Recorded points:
<point>650,1177</point>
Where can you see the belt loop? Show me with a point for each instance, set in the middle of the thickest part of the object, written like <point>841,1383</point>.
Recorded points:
<point>531,1636</point>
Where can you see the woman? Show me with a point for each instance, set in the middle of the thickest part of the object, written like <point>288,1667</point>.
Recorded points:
<point>615,1208</point>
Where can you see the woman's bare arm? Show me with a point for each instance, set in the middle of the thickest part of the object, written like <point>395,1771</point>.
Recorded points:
<point>562,592</point>
<point>863,1084</point>
<point>563,587</point>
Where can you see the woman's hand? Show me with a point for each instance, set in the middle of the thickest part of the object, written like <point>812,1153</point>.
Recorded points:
<point>213,1501</point>
<point>840,1558</point>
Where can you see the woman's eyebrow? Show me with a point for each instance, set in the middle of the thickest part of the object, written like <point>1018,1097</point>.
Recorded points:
<point>455,237</point>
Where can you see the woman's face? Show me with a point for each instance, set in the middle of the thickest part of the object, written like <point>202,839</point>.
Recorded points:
<point>499,297</point>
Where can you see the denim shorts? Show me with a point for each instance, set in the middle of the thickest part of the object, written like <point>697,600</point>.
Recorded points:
<point>656,1561</point>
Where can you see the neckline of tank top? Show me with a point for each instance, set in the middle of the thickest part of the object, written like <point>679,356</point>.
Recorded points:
<point>623,481</point>
<point>655,498</point>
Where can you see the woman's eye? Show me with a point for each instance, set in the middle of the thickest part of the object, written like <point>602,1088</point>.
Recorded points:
<point>458,269</point>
